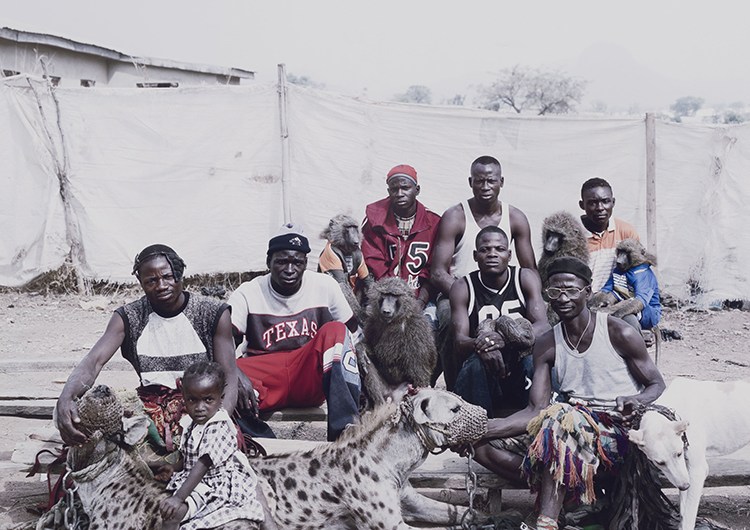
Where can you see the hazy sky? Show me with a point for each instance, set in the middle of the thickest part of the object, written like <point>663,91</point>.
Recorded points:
<point>639,54</point>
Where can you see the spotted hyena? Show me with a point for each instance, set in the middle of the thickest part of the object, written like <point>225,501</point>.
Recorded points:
<point>361,480</point>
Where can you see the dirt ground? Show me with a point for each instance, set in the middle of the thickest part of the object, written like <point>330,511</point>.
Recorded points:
<point>39,328</point>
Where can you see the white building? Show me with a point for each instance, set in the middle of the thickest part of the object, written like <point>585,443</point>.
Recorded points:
<point>69,63</point>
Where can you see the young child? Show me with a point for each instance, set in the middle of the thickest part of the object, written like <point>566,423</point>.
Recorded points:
<point>216,484</point>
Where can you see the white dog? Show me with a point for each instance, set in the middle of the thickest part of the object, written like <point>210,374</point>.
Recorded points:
<point>716,418</point>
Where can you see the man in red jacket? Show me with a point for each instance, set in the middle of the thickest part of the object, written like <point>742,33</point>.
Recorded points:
<point>399,232</point>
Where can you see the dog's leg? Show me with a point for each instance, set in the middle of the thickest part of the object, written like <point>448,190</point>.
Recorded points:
<point>690,499</point>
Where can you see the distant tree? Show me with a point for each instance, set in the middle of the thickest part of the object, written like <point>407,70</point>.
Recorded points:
<point>458,100</point>
<point>415,94</point>
<point>508,90</point>
<point>303,80</point>
<point>733,117</point>
<point>735,113</point>
<point>685,106</point>
<point>526,89</point>
<point>556,93</point>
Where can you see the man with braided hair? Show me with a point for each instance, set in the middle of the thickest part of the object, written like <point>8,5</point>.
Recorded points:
<point>161,334</point>
<point>604,374</point>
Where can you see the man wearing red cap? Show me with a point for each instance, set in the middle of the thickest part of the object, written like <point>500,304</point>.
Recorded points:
<point>399,232</point>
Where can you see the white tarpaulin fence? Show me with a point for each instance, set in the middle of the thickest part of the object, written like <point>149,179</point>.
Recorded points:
<point>200,169</point>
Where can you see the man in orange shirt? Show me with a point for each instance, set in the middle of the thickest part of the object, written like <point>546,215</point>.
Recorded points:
<point>604,231</point>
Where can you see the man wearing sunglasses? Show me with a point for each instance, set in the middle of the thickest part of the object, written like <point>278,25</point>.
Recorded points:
<point>604,373</point>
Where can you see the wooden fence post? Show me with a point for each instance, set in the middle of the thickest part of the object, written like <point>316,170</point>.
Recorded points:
<point>285,174</point>
<point>651,183</point>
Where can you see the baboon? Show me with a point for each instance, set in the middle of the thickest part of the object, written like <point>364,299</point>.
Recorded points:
<point>398,345</point>
<point>517,333</point>
<point>342,259</point>
<point>562,235</point>
<point>622,296</point>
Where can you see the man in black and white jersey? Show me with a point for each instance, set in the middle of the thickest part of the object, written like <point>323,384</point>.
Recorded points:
<point>491,373</point>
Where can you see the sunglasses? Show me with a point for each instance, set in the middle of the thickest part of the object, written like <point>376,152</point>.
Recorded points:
<point>555,292</point>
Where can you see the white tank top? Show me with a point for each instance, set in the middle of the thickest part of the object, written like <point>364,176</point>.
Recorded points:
<point>597,375</point>
<point>463,257</point>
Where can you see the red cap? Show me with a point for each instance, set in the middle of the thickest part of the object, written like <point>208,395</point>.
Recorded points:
<point>403,170</point>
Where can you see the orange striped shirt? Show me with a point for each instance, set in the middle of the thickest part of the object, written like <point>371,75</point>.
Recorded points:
<point>603,250</point>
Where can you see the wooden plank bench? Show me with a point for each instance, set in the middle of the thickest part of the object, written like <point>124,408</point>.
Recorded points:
<point>296,414</point>
<point>22,394</point>
<point>33,394</point>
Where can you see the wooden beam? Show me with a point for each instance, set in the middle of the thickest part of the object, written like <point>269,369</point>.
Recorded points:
<point>28,408</point>
<point>651,183</point>
<point>286,177</point>
<point>296,414</point>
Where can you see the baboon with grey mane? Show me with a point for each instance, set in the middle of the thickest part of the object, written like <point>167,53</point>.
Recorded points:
<point>562,235</point>
<point>345,238</point>
<point>630,253</point>
<point>399,345</point>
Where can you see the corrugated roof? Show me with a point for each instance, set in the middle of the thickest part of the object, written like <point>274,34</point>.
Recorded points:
<point>92,49</point>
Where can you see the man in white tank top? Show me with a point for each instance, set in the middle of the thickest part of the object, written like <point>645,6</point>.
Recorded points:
<point>453,255</point>
<point>605,372</point>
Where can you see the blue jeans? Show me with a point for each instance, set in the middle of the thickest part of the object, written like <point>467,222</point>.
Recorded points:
<point>477,386</point>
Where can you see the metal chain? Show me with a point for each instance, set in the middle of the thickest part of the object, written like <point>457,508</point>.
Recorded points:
<point>470,515</point>
<point>468,519</point>
<point>71,519</point>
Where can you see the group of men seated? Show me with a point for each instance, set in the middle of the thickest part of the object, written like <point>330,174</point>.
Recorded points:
<point>284,338</point>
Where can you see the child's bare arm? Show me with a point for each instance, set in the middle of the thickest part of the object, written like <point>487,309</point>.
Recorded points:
<point>172,506</point>
<point>194,477</point>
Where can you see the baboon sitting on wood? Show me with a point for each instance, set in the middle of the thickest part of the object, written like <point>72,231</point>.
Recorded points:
<point>399,346</point>
<point>342,259</point>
